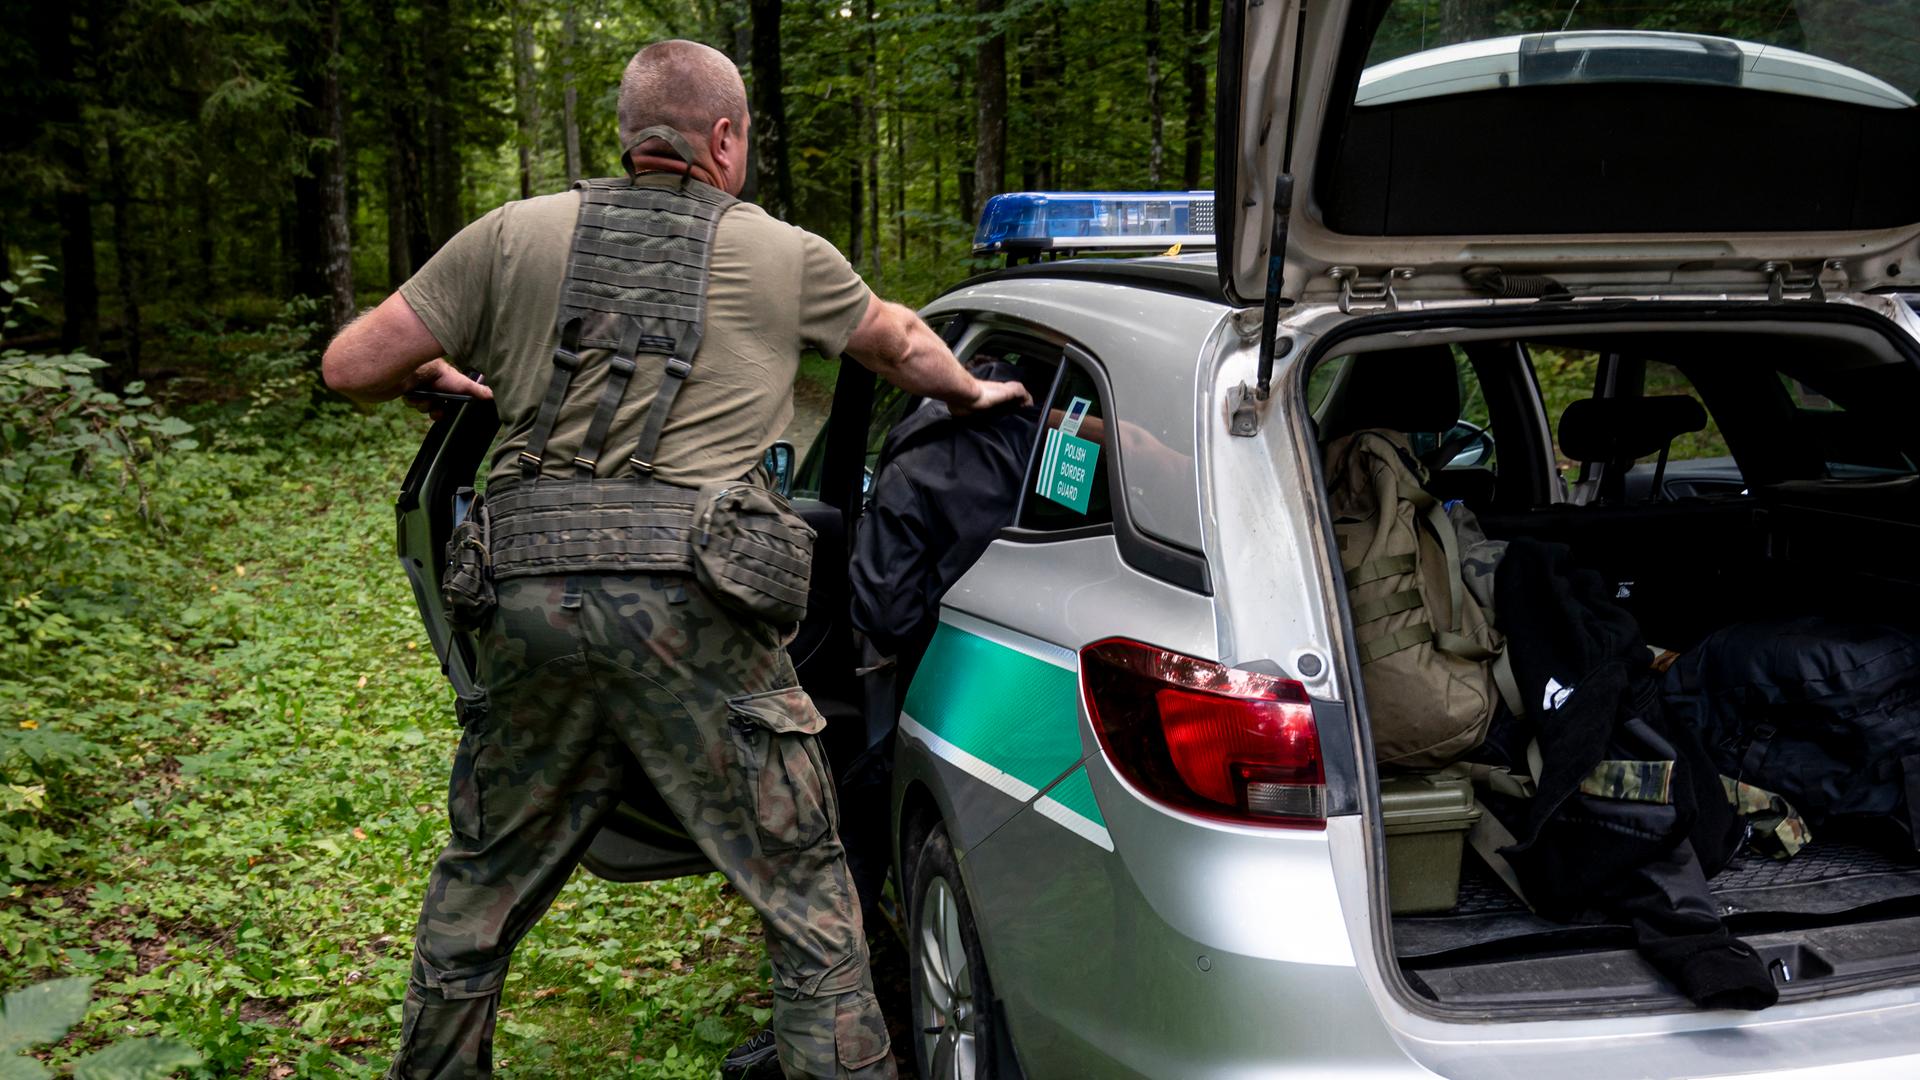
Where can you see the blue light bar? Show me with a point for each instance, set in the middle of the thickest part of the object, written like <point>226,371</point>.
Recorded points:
<point>1048,221</point>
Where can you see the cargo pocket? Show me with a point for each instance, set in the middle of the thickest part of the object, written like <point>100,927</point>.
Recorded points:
<point>463,790</point>
<point>859,1032</point>
<point>792,788</point>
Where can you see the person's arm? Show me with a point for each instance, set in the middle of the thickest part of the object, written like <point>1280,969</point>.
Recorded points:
<point>897,345</point>
<point>389,352</point>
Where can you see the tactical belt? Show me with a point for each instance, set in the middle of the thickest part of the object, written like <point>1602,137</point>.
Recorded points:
<point>635,289</point>
<point>583,526</point>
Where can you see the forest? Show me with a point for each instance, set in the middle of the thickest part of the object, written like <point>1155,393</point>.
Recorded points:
<point>177,159</point>
<point>223,740</point>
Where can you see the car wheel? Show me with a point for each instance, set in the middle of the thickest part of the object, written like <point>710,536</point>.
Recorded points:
<point>952,1018</point>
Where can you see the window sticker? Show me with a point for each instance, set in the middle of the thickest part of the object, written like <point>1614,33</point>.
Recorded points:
<point>1067,463</point>
<point>1076,412</point>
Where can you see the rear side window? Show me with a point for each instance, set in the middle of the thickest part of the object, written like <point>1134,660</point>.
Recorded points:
<point>1665,380</point>
<point>1564,377</point>
<point>1849,445</point>
<point>1067,482</point>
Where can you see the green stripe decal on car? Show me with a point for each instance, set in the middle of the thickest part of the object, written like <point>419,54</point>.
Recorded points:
<point>1003,706</point>
<point>1071,803</point>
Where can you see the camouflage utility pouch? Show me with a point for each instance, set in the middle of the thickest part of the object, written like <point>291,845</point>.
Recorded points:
<point>466,586</point>
<point>752,552</point>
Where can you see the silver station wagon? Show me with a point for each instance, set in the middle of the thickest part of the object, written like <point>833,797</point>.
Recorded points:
<point>1138,826</point>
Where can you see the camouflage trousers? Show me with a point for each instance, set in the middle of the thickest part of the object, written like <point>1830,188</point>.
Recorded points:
<point>587,675</point>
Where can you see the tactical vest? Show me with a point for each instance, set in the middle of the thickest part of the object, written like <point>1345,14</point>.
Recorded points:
<point>636,287</point>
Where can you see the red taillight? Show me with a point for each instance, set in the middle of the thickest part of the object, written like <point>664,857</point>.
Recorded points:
<point>1204,738</point>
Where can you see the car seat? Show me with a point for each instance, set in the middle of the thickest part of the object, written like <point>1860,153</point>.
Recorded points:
<point>1616,432</point>
<point>1415,391</point>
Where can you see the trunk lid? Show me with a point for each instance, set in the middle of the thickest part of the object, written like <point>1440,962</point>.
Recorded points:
<point>1423,151</point>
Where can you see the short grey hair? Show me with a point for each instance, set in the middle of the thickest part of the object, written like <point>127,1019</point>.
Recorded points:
<point>682,84</point>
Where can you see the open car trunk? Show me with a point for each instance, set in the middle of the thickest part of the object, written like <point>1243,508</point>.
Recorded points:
<point>1784,515</point>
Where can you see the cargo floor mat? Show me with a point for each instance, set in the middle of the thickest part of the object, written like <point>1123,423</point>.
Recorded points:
<point>1830,877</point>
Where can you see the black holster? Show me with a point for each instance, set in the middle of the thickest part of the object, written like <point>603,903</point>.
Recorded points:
<point>467,585</point>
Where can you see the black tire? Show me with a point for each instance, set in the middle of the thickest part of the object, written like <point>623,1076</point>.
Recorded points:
<point>962,1043</point>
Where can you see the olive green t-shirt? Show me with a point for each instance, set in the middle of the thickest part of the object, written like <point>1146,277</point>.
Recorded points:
<point>491,295</point>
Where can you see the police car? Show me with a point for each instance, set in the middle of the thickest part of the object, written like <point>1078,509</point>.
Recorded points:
<point>1138,827</point>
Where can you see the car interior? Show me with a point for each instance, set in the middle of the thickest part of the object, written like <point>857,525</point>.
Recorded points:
<point>1711,477</point>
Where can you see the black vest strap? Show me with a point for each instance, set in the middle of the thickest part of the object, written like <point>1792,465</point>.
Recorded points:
<point>566,361</point>
<point>619,374</point>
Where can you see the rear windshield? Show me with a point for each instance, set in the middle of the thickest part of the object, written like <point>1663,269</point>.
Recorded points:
<point>1864,52</point>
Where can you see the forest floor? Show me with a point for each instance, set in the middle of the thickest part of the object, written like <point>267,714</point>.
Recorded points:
<point>248,877</point>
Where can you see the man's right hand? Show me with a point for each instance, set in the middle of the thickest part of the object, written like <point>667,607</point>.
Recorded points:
<point>989,395</point>
<point>895,344</point>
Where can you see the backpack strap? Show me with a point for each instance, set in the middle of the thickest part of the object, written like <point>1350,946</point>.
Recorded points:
<point>1486,838</point>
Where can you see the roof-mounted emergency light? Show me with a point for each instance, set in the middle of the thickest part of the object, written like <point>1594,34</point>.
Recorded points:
<point>1050,222</point>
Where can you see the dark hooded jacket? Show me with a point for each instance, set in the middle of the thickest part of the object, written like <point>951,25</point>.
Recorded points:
<point>943,488</point>
<point>1638,857</point>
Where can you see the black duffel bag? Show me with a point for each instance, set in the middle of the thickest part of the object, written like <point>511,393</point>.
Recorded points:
<point>1822,712</point>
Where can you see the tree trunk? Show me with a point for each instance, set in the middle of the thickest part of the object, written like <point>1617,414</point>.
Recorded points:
<point>399,266</point>
<point>770,109</point>
<point>990,107</point>
<point>526,103</point>
<point>963,171</point>
<point>855,217</point>
<point>206,251</point>
<point>569,97</point>
<point>1465,20</point>
<point>898,131</point>
<point>872,111</point>
<point>1156,112</point>
<point>333,176</point>
<point>443,155</point>
<point>409,242</point>
<point>126,263</point>
<point>73,204</point>
<point>1199,16</point>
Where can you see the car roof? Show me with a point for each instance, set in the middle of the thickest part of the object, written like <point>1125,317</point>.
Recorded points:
<point>1185,275</point>
<point>1152,325</point>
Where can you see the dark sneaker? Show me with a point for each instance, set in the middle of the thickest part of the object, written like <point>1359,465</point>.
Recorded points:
<point>754,1059</point>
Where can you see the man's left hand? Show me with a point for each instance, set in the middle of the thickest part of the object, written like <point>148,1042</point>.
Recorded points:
<point>440,377</point>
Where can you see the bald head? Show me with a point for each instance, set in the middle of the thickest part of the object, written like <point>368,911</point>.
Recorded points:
<point>684,85</point>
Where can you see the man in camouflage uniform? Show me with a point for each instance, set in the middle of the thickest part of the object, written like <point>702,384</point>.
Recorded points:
<point>583,669</point>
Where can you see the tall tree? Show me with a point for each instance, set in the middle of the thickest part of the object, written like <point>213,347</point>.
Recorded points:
<point>1199,19</point>
<point>333,173</point>
<point>770,108</point>
<point>125,257</point>
<point>73,198</point>
<point>409,242</point>
<point>438,58</point>
<point>870,110</point>
<point>990,105</point>
<point>1466,20</point>
<point>526,103</point>
<point>570,95</point>
<point>1156,112</point>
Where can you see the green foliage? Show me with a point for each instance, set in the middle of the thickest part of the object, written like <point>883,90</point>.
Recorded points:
<point>223,762</point>
<point>44,1012</point>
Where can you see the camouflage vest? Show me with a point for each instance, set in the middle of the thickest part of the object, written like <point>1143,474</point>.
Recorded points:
<point>636,287</point>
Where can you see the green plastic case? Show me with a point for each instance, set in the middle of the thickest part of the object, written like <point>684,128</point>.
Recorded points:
<point>1426,820</point>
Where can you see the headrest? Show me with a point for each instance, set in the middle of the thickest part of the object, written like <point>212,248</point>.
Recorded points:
<point>1623,429</point>
<point>1410,390</point>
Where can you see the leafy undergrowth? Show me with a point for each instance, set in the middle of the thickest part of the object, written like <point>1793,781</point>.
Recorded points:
<point>235,844</point>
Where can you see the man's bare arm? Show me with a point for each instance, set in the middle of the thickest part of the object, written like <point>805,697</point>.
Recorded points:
<point>388,352</point>
<point>897,345</point>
